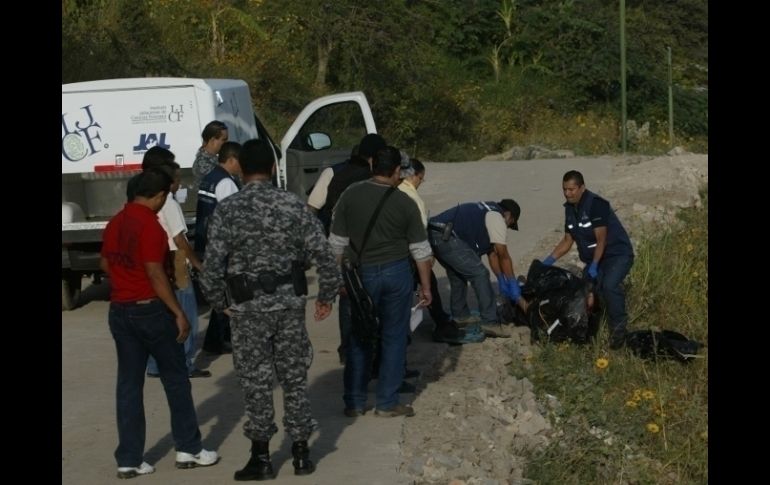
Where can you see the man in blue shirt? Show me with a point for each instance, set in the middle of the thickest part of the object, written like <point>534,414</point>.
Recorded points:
<point>603,245</point>
<point>459,237</point>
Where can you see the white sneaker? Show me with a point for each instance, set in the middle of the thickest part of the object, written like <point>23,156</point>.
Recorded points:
<point>132,471</point>
<point>204,458</point>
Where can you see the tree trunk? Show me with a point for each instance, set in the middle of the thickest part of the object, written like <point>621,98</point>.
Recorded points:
<point>325,47</point>
<point>217,39</point>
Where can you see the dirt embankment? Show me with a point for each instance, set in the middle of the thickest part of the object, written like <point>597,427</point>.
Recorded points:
<point>474,420</point>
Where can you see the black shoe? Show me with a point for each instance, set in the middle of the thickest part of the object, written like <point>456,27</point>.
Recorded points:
<point>259,466</point>
<point>407,388</point>
<point>199,373</point>
<point>153,375</point>
<point>301,461</point>
<point>224,349</point>
<point>449,333</point>
<point>354,413</point>
<point>411,373</point>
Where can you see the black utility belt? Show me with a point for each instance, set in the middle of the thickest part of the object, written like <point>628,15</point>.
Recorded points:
<point>243,287</point>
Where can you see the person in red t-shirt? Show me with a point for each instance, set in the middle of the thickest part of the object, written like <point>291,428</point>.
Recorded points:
<point>145,319</point>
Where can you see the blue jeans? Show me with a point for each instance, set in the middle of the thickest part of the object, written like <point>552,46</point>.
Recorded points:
<point>186,298</point>
<point>139,331</point>
<point>609,283</point>
<point>463,265</point>
<point>390,286</point>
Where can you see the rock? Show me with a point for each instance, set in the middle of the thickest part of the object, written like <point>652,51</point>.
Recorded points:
<point>416,466</point>
<point>676,151</point>
<point>447,461</point>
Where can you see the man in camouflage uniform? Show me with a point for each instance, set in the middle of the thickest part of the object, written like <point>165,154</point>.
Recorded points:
<point>259,232</point>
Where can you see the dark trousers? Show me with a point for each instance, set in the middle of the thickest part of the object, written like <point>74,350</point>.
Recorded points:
<point>140,331</point>
<point>436,308</point>
<point>609,283</point>
<point>346,325</point>
<point>217,338</point>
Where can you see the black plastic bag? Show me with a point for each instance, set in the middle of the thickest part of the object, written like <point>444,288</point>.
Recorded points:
<point>558,305</point>
<point>650,344</point>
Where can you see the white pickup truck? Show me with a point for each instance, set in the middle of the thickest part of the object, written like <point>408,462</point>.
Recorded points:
<point>108,125</point>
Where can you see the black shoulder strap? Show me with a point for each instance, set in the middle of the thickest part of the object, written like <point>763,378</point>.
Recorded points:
<point>371,223</point>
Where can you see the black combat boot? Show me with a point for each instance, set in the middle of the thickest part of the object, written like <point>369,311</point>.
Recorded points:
<point>301,462</point>
<point>259,466</point>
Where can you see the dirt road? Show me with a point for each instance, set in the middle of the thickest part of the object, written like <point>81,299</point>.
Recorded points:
<point>366,450</point>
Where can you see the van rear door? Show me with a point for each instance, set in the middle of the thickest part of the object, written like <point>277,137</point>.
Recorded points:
<point>323,134</point>
<point>110,129</point>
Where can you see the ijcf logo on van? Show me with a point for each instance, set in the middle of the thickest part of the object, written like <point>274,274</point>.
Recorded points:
<point>176,114</point>
<point>78,140</point>
<point>149,140</point>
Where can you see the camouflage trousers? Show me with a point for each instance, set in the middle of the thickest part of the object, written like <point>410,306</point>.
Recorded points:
<point>263,341</point>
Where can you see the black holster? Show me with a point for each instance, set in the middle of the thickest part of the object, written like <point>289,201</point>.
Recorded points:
<point>239,289</point>
<point>446,234</point>
<point>298,278</point>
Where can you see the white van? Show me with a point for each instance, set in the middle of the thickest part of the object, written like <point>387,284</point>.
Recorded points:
<point>108,125</point>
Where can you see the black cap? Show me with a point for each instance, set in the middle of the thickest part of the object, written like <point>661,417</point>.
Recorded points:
<point>511,206</point>
<point>371,144</point>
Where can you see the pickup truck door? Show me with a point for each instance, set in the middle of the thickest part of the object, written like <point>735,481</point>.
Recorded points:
<point>323,134</point>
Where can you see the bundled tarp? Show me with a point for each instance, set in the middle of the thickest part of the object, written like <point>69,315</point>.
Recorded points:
<point>653,345</point>
<point>558,306</point>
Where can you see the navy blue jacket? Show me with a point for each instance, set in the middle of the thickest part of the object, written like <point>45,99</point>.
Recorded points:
<point>593,211</point>
<point>207,202</point>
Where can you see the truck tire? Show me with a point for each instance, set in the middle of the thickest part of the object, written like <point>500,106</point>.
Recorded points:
<point>70,291</point>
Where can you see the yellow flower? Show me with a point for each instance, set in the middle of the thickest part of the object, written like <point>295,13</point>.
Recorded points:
<point>652,428</point>
<point>648,394</point>
<point>660,413</point>
<point>637,394</point>
<point>602,363</point>
<point>631,403</point>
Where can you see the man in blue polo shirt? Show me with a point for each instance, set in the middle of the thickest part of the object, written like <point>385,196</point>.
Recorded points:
<point>603,245</point>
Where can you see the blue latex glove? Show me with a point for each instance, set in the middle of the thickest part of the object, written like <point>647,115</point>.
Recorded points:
<point>593,270</point>
<point>509,288</point>
<point>514,291</point>
<point>549,260</point>
<point>502,284</point>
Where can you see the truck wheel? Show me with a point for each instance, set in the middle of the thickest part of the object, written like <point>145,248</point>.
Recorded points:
<point>70,291</point>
